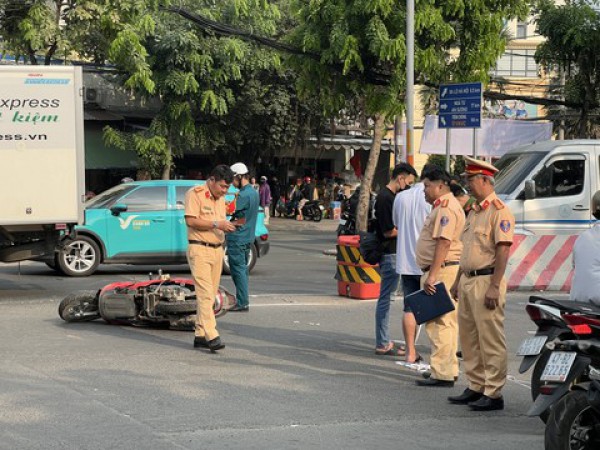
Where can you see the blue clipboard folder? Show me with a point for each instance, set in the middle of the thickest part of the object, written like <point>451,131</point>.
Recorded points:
<point>428,307</point>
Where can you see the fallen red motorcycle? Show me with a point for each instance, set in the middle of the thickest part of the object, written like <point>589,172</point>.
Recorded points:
<point>161,302</point>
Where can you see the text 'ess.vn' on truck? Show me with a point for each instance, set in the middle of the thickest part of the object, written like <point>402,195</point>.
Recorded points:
<point>42,155</point>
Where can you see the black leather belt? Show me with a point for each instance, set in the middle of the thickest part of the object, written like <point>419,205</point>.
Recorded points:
<point>480,272</point>
<point>446,263</point>
<point>206,244</point>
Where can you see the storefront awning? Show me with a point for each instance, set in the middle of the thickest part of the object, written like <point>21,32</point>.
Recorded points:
<point>347,142</point>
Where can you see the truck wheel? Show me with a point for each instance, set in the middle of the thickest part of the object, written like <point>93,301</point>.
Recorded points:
<point>79,257</point>
<point>80,306</point>
<point>251,260</point>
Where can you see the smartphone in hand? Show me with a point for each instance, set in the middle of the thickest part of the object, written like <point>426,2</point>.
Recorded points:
<point>238,222</point>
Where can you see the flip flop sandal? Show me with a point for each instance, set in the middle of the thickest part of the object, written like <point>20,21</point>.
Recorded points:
<point>391,350</point>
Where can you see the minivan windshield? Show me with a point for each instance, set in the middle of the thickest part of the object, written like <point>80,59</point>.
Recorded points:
<point>514,168</point>
<point>105,198</point>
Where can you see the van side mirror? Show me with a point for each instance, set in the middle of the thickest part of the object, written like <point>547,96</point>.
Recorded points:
<point>529,189</point>
<point>118,209</point>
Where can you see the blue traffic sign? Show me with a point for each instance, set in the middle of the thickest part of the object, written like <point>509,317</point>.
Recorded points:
<point>460,105</point>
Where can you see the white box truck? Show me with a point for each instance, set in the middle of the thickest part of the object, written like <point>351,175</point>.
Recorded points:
<point>549,186</point>
<point>42,155</point>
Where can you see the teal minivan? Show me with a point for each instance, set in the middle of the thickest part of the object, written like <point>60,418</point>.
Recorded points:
<point>140,223</point>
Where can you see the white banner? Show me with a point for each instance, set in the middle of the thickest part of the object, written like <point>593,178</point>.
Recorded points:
<point>494,138</point>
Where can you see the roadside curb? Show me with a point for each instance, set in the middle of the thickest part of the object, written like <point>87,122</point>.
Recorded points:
<point>281,224</point>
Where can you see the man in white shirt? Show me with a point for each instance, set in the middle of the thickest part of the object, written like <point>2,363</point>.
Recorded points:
<point>409,213</point>
<point>586,261</point>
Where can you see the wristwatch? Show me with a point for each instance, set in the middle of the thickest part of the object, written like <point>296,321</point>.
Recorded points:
<point>214,224</point>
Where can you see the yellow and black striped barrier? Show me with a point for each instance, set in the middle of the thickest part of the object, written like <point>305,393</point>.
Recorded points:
<point>356,278</point>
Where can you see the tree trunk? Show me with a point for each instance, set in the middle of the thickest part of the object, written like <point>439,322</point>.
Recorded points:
<point>166,174</point>
<point>367,181</point>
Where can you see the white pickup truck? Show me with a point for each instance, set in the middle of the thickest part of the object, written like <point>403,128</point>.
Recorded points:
<point>42,156</point>
<point>549,186</point>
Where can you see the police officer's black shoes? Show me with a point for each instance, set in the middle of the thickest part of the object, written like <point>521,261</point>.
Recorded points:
<point>200,342</point>
<point>433,382</point>
<point>215,344</point>
<point>486,403</point>
<point>465,398</point>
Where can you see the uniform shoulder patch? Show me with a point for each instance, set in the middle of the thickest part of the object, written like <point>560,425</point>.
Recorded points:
<point>498,204</point>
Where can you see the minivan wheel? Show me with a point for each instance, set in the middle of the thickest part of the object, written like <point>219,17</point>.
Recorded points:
<point>251,260</point>
<point>79,257</point>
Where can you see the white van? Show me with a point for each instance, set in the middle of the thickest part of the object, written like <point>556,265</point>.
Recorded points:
<point>549,186</point>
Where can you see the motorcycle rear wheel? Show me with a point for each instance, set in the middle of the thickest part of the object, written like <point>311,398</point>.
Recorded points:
<point>73,307</point>
<point>571,425</point>
<point>169,308</point>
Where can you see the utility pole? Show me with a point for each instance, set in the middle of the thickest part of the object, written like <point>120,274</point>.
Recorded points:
<point>561,127</point>
<point>410,80</point>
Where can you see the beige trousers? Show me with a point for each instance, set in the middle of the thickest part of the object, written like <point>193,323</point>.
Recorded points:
<point>443,334</point>
<point>482,336</point>
<point>206,264</point>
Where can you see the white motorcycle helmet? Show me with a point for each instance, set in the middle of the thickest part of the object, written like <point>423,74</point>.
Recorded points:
<point>239,169</point>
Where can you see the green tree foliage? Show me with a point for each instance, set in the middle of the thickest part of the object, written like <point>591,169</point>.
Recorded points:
<point>362,42</point>
<point>572,33</point>
<point>83,29</point>
<point>218,93</point>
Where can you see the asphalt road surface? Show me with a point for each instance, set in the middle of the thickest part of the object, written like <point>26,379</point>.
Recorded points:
<point>298,371</point>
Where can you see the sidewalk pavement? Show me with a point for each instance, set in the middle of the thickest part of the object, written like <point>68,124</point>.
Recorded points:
<point>283,224</point>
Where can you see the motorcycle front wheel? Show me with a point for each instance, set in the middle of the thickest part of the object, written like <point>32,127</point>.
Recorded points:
<point>80,306</point>
<point>573,424</point>
<point>317,214</point>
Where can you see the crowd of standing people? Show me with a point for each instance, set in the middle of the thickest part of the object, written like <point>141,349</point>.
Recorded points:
<point>434,233</point>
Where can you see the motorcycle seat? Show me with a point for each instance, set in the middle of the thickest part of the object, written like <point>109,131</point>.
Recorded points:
<point>568,306</point>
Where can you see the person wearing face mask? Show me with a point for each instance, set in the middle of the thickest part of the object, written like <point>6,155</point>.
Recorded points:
<point>403,176</point>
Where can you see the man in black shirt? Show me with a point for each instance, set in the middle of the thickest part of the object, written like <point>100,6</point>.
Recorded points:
<point>403,176</point>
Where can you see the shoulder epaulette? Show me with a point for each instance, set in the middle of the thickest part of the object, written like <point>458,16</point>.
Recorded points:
<point>498,204</point>
<point>444,203</point>
<point>199,188</point>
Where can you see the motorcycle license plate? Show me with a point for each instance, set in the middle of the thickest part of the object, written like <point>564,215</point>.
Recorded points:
<point>532,346</point>
<point>558,366</point>
<point>342,221</point>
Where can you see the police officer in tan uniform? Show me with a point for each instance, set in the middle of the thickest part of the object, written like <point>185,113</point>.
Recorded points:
<point>481,290</point>
<point>438,252</point>
<point>205,218</point>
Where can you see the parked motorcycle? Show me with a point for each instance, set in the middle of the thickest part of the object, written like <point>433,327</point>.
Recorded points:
<point>575,419</point>
<point>547,314</point>
<point>158,301</point>
<point>347,226</point>
<point>569,362</point>
<point>312,210</point>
